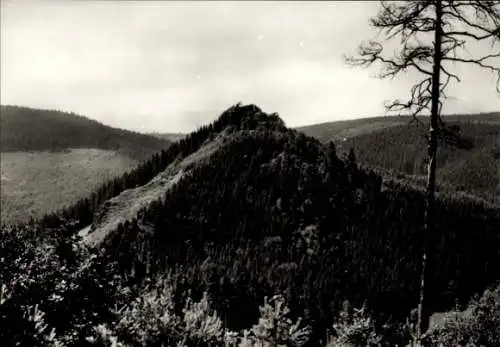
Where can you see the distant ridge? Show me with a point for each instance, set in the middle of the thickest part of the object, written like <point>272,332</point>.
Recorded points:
<point>395,144</point>
<point>169,136</point>
<point>30,129</point>
<point>343,129</point>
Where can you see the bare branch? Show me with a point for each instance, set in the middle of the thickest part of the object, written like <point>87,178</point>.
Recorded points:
<point>406,20</point>
<point>471,35</point>
<point>403,19</point>
<point>487,11</point>
<point>481,63</point>
<point>368,53</point>
<point>449,74</point>
<point>487,19</point>
<point>420,99</point>
<point>443,86</point>
<point>451,45</point>
<point>462,18</point>
<point>411,56</point>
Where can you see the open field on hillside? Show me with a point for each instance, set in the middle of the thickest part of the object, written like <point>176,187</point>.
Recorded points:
<point>336,131</point>
<point>34,183</point>
<point>339,130</point>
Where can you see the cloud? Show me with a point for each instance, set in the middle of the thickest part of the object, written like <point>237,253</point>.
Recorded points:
<point>171,66</point>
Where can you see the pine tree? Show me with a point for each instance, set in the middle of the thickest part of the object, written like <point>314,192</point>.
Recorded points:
<point>454,25</point>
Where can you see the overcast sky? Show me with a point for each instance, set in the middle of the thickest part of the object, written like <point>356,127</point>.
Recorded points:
<point>170,67</point>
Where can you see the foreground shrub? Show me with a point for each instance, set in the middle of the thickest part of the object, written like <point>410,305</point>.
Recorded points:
<point>275,328</point>
<point>478,325</point>
<point>151,320</point>
<point>354,328</point>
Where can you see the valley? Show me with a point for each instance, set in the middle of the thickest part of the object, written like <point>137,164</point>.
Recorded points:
<point>51,159</point>
<point>38,183</point>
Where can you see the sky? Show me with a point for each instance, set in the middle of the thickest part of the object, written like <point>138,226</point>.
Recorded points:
<point>168,66</point>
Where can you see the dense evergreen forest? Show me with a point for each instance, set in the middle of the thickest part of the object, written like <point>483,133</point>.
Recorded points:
<point>468,156</point>
<point>274,224</point>
<point>28,129</point>
<point>468,159</point>
<point>338,130</point>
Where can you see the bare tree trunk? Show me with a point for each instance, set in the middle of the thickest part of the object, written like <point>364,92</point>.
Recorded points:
<point>423,318</point>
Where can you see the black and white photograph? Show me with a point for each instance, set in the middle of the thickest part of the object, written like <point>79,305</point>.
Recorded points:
<point>249,173</point>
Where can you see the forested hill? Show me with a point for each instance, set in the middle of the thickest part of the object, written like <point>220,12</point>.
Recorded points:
<point>467,160</point>
<point>342,130</point>
<point>468,155</point>
<point>29,129</point>
<point>244,209</point>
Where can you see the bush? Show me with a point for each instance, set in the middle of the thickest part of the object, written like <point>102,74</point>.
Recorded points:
<point>478,325</point>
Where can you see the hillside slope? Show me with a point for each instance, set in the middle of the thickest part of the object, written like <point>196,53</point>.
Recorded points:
<point>395,144</point>
<point>28,129</point>
<point>127,205</point>
<point>244,209</point>
<point>50,159</point>
<point>474,169</point>
<point>342,130</point>
<point>37,183</point>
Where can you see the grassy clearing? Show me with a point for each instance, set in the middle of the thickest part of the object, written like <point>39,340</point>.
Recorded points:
<point>34,183</point>
<point>347,129</point>
<point>337,131</point>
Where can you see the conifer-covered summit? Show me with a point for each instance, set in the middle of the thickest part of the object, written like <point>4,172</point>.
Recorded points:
<point>232,126</point>
<point>251,117</point>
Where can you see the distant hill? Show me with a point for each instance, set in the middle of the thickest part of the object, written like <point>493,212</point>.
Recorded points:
<point>337,131</point>
<point>393,143</point>
<point>169,136</point>
<point>51,159</point>
<point>340,130</point>
<point>29,129</point>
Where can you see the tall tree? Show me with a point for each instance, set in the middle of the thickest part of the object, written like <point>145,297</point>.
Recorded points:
<point>434,37</point>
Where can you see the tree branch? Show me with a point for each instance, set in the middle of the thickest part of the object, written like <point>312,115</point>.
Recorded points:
<point>395,19</point>
<point>471,35</point>
<point>420,99</point>
<point>449,74</point>
<point>407,20</point>
<point>485,12</point>
<point>410,57</point>
<point>480,62</point>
